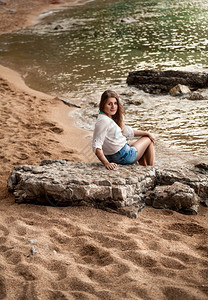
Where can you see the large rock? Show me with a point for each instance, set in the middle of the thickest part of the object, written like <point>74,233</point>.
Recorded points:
<point>61,183</point>
<point>154,81</point>
<point>191,177</point>
<point>178,196</point>
<point>122,190</point>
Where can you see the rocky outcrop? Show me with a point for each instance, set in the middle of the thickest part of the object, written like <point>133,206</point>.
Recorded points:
<point>178,196</point>
<point>124,190</point>
<point>156,82</point>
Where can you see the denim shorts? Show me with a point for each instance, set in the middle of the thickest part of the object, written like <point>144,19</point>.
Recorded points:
<point>126,156</point>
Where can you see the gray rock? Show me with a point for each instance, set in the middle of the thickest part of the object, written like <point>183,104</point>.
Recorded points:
<point>188,176</point>
<point>196,96</point>
<point>11,10</point>
<point>178,196</point>
<point>34,250</point>
<point>32,241</point>
<point>47,248</point>
<point>122,190</point>
<point>128,20</point>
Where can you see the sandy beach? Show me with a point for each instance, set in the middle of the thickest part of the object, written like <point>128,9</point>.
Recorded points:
<point>80,252</point>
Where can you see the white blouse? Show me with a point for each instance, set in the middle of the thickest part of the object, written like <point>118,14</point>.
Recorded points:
<point>108,135</point>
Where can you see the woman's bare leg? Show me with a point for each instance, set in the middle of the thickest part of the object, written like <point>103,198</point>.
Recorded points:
<point>148,159</point>
<point>151,154</point>
<point>146,153</point>
<point>142,161</point>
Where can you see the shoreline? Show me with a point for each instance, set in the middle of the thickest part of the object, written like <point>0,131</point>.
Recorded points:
<point>58,135</point>
<point>69,131</point>
<point>21,14</point>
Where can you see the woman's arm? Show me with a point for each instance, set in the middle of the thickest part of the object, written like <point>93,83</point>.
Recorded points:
<point>103,159</point>
<point>144,133</point>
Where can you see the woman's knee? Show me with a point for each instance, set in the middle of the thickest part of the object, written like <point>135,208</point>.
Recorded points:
<point>147,140</point>
<point>144,139</point>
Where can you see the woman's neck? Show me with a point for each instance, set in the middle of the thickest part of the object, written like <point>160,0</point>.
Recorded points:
<point>103,113</point>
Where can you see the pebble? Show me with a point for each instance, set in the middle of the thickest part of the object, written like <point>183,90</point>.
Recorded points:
<point>11,10</point>
<point>34,250</point>
<point>47,248</point>
<point>32,241</point>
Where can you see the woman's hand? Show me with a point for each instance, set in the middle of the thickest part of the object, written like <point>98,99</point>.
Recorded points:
<point>103,159</point>
<point>151,136</point>
<point>144,133</point>
<point>110,166</point>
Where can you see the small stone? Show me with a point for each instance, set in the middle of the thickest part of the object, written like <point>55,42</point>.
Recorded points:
<point>47,248</point>
<point>54,251</point>
<point>196,96</point>
<point>34,250</point>
<point>180,89</point>
<point>32,241</point>
<point>128,20</point>
<point>11,10</point>
<point>58,27</point>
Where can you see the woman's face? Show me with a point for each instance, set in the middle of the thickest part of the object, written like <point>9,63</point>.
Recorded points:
<point>111,107</point>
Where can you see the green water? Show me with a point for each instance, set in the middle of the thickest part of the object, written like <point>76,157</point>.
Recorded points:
<point>95,50</point>
<point>95,47</point>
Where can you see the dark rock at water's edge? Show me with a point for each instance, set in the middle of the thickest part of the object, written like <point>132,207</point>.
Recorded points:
<point>159,82</point>
<point>196,96</point>
<point>202,166</point>
<point>58,27</point>
<point>125,190</point>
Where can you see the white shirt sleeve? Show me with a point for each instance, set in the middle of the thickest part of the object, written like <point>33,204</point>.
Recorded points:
<point>100,131</point>
<point>128,131</point>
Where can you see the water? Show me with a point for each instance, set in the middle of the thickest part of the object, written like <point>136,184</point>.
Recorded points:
<point>100,42</point>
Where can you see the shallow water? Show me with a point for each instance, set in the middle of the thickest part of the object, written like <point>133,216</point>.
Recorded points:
<point>100,42</point>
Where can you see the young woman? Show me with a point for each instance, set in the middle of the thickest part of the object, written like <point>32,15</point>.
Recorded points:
<point>109,138</point>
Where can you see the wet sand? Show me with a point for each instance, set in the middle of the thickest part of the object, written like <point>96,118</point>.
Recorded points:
<point>83,253</point>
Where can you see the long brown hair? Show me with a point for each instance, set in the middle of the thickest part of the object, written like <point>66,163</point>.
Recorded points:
<point>118,117</point>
